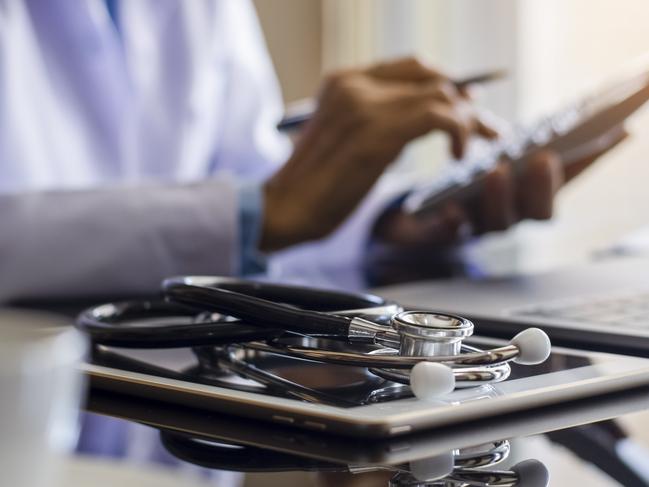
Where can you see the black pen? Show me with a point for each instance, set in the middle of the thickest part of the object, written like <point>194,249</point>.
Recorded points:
<point>294,120</point>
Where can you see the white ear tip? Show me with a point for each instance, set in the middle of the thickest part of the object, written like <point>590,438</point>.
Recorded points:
<point>429,380</point>
<point>532,473</point>
<point>534,346</point>
<point>433,468</point>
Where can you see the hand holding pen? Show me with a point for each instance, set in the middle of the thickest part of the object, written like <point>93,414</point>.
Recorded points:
<point>294,119</point>
<point>365,117</point>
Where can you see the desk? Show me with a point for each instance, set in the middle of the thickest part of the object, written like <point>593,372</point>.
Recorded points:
<point>577,443</point>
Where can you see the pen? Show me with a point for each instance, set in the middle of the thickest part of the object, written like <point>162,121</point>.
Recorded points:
<point>293,120</point>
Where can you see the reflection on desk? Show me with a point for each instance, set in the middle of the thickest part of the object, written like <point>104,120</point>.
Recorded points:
<point>573,442</point>
<point>454,468</point>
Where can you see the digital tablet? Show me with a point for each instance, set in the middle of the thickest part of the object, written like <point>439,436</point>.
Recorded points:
<point>172,376</point>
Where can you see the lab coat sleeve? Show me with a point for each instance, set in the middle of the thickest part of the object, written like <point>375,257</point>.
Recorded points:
<point>118,240</point>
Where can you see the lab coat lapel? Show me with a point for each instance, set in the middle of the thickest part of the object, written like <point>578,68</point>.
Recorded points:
<point>173,52</point>
<point>85,61</point>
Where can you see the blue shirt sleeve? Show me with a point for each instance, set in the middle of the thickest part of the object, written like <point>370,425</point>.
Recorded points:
<point>251,205</point>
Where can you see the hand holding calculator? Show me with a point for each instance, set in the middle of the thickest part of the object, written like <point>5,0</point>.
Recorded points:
<point>578,132</point>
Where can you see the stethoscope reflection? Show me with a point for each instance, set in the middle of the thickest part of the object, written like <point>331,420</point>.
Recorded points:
<point>457,468</point>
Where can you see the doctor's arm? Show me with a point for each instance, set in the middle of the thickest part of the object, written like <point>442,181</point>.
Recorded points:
<point>365,119</point>
<point>120,240</point>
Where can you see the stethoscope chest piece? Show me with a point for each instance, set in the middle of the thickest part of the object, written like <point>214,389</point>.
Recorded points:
<point>430,334</point>
<point>440,335</point>
<point>445,362</point>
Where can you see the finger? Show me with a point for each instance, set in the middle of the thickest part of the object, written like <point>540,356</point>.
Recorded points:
<point>466,91</point>
<point>456,127</point>
<point>485,130</point>
<point>409,95</point>
<point>435,116</point>
<point>538,185</point>
<point>406,69</point>
<point>458,120</point>
<point>497,208</point>
<point>442,227</point>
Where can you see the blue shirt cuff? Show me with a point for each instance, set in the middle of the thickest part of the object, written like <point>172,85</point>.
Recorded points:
<point>251,206</point>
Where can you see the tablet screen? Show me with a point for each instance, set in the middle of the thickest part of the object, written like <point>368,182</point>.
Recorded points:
<point>335,385</point>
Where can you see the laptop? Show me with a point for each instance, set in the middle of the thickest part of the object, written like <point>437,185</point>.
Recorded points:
<point>603,305</point>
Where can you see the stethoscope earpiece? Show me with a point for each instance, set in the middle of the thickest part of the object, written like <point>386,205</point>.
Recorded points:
<point>436,467</point>
<point>533,345</point>
<point>429,380</point>
<point>531,473</point>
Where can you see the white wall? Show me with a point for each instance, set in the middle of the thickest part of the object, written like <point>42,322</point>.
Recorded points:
<point>565,46</point>
<point>293,31</point>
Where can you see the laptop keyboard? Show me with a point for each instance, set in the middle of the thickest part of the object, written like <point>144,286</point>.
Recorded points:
<point>630,311</point>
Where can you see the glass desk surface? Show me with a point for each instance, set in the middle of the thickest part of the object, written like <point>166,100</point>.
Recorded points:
<point>602,443</point>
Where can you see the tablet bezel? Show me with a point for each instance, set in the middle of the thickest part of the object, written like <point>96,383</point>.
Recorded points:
<point>609,373</point>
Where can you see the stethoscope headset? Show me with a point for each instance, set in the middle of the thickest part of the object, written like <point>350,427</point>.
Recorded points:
<point>422,349</point>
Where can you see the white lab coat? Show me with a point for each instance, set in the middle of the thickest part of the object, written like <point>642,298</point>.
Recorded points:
<point>120,153</point>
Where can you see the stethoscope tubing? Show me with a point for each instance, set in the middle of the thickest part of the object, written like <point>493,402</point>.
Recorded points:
<point>239,458</point>
<point>318,299</point>
<point>494,356</point>
<point>112,325</point>
<point>262,312</point>
<point>188,301</point>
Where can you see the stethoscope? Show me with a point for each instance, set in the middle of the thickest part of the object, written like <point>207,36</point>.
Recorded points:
<point>422,349</point>
<point>456,468</point>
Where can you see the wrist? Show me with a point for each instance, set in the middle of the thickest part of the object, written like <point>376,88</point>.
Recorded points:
<point>288,218</point>
<point>278,227</point>
<point>251,260</point>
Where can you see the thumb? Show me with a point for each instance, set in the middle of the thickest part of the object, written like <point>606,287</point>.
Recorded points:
<point>442,227</point>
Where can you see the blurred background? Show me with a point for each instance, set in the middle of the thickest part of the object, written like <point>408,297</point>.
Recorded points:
<point>553,51</point>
